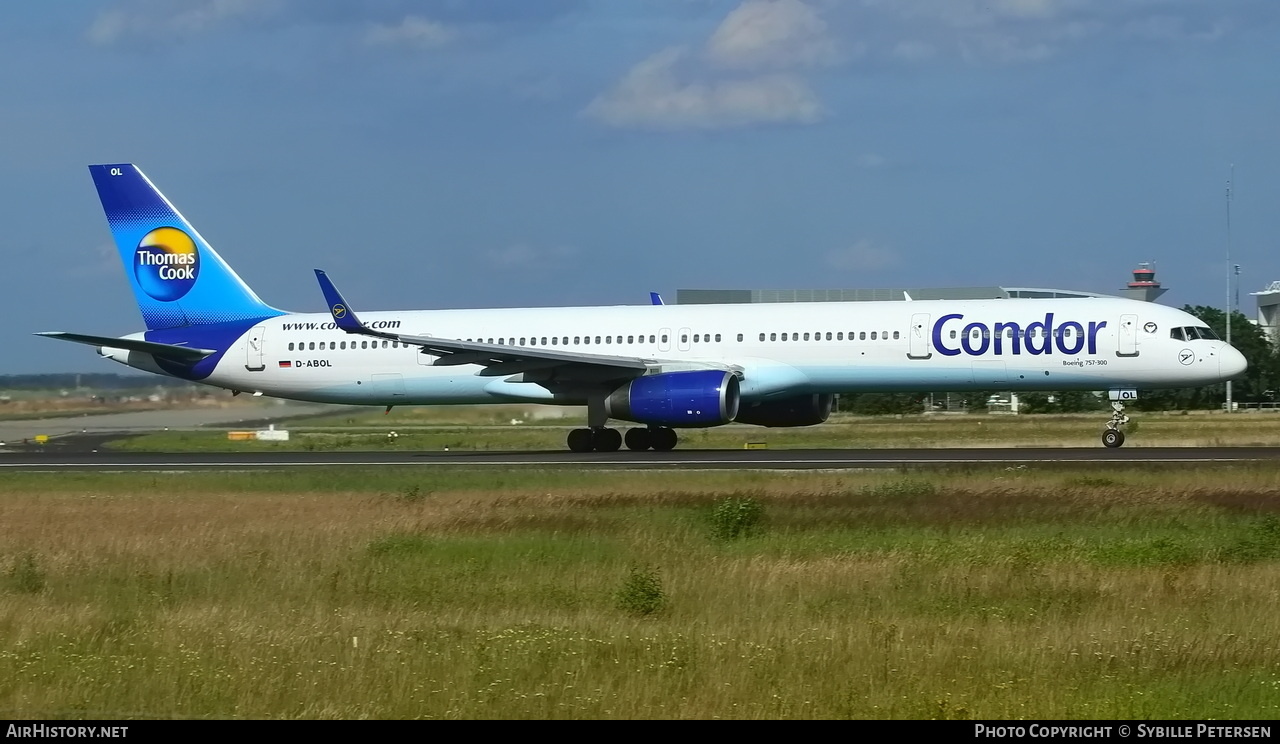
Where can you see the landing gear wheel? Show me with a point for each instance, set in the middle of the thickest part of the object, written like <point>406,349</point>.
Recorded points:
<point>1113,436</point>
<point>607,440</point>
<point>639,440</point>
<point>662,439</point>
<point>582,440</point>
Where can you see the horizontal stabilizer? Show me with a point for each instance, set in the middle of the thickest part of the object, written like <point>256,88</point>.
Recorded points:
<point>184,354</point>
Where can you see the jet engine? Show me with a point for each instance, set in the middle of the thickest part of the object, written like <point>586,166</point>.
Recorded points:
<point>801,410</point>
<point>677,399</point>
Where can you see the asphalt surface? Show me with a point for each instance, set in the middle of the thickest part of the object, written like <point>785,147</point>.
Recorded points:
<point>66,458</point>
<point>14,434</point>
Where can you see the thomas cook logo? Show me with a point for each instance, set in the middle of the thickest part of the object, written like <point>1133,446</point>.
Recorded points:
<point>339,312</point>
<point>166,263</point>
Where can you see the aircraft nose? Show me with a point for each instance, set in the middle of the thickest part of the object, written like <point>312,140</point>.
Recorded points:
<point>1231,363</point>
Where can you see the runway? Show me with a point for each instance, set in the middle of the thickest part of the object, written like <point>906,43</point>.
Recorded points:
<point>64,461</point>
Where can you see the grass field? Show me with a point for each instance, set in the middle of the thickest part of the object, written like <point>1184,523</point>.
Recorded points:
<point>467,429</point>
<point>979,592</point>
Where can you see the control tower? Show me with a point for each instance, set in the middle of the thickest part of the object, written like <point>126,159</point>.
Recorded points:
<point>1269,310</point>
<point>1144,285</point>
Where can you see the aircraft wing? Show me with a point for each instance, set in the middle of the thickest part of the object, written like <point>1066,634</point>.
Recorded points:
<point>184,354</point>
<point>538,364</point>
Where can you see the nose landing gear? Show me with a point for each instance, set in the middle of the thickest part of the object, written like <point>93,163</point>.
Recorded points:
<point>1113,436</point>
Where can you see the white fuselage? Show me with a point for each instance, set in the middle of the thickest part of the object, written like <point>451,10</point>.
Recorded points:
<point>779,349</point>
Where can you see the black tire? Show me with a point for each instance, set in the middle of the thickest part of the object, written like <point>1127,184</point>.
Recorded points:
<point>582,440</point>
<point>638,440</point>
<point>1112,438</point>
<point>662,439</point>
<point>608,440</point>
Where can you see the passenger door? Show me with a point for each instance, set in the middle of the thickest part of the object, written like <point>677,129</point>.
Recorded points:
<point>253,349</point>
<point>1127,336</point>
<point>919,337</point>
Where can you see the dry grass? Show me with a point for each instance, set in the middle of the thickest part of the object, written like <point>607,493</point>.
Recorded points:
<point>979,592</point>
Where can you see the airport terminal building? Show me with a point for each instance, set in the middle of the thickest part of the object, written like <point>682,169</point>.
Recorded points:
<point>1143,287</point>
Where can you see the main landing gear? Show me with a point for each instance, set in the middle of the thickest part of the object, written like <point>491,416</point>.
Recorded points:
<point>1112,436</point>
<point>604,439</point>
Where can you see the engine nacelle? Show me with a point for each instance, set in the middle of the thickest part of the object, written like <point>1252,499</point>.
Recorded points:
<point>801,410</point>
<point>687,399</point>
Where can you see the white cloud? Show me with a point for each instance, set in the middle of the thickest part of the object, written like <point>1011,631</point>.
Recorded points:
<point>861,256</point>
<point>158,20</point>
<point>653,96</point>
<point>744,74</point>
<point>772,34</point>
<point>413,31</point>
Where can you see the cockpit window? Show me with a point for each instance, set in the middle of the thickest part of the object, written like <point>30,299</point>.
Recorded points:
<point>1193,333</point>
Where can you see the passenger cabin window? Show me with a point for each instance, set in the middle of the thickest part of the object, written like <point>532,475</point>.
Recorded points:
<point>717,338</point>
<point>739,336</point>
<point>773,337</point>
<point>873,335</point>
<point>840,336</point>
<point>290,346</point>
<point>895,336</point>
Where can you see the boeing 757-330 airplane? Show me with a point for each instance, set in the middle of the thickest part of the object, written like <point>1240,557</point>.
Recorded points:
<point>663,367</point>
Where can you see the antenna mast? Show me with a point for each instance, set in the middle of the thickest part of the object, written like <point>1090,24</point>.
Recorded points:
<point>1229,304</point>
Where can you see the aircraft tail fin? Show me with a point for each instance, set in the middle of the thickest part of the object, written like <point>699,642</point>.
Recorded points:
<point>177,277</point>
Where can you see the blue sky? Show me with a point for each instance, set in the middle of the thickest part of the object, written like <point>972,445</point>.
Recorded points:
<point>451,153</point>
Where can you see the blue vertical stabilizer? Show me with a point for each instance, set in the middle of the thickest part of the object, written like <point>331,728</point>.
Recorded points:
<point>177,278</point>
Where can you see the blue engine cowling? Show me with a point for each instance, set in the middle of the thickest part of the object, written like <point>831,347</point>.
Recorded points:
<point>688,399</point>
<point>801,410</point>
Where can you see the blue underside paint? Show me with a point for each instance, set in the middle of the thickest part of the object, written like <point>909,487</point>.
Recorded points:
<point>220,336</point>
